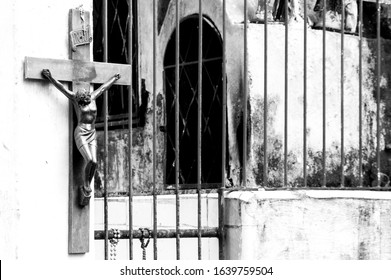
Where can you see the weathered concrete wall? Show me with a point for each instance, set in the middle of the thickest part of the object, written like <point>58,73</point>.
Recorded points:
<point>213,11</point>
<point>143,137</point>
<point>118,162</point>
<point>314,132</point>
<point>234,40</point>
<point>34,145</point>
<point>308,225</point>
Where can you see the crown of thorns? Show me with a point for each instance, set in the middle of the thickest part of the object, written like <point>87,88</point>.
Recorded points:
<point>83,97</point>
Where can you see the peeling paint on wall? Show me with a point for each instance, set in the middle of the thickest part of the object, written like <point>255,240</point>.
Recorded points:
<point>212,10</point>
<point>314,133</point>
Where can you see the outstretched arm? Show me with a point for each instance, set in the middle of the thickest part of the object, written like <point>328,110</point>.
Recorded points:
<point>46,73</point>
<point>105,86</point>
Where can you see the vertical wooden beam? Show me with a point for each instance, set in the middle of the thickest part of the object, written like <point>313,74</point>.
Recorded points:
<point>79,217</point>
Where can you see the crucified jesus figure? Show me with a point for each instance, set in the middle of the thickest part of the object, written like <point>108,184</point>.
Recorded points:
<point>85,134</point>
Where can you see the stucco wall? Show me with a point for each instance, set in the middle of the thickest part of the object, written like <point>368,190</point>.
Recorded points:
<point>34,138</point>
<point>235,82</point>
<point>308,225</point>
<point>143,137</point>
<point>213,11</point>
<point>314,133</point>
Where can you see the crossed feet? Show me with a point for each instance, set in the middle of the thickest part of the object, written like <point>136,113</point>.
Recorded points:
<point>84,195</point>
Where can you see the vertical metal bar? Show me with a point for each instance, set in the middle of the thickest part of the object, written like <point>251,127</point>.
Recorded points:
<point>177,202</point>
<point>137,51</point>
<point>342,93</point>
<point>130,121</point>
<point>286,97</point>
<point>105,141</point>
<point>324,94</point>
<point>154,133</point>
<point>199,129</point>
<point>360,26</point>
<point>224,141</point>
<point>245,94</point>
<point>265,109</point>
<point>305,98</point>
<point>378,72</point>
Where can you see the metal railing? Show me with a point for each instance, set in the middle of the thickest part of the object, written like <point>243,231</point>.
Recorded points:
<point>218,232</point>
<point>177,233</point>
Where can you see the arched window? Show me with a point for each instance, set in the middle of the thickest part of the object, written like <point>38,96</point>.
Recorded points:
<point>188,99</point>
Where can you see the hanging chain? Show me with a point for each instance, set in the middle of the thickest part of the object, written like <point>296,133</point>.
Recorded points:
<point>113,243</point>
<point>144,244</point>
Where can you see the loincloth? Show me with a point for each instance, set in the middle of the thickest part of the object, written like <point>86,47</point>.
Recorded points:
<point>85,135</point>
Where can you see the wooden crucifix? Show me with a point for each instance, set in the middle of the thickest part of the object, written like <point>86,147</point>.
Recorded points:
<point>81,72</point>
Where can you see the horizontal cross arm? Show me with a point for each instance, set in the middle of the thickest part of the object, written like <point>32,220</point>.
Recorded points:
<point>76,70</point>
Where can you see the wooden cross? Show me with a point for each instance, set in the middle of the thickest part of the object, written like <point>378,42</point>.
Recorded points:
<point>81,72</point>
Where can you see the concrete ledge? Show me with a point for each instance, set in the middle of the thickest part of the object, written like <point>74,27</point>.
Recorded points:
<point>308,225</point>
<point>299,194</point>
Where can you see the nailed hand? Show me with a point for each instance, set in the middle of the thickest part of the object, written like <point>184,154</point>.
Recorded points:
<point>46,73</point>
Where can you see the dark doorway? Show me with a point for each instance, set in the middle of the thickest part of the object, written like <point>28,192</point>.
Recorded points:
<point>188,100</point>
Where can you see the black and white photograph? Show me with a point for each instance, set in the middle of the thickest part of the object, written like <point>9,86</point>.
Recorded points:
<point>239,135</point>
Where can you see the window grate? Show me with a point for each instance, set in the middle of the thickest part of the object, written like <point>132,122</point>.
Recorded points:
<point>195,87</point>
